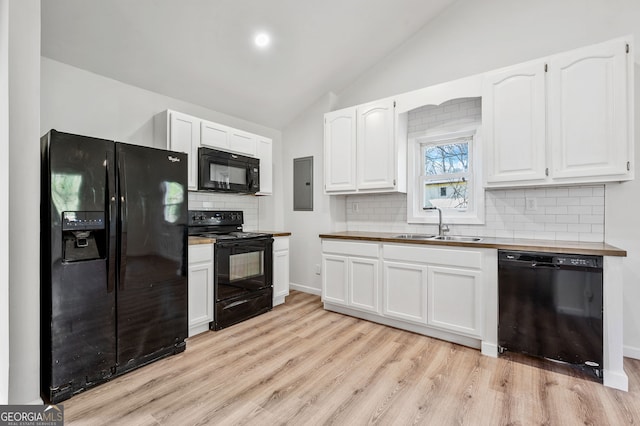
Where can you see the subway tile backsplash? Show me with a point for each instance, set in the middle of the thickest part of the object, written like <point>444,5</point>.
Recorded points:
<point>567,213</point>
<point>221,201</point>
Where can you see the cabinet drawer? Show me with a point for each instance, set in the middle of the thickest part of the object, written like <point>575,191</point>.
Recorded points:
<point>434,256</point>
<point>351,248</point>
<point>280,243</point>
<point>200,253</point>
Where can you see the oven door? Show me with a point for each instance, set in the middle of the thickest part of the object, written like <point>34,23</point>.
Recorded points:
<point>226,172</point>
<point>242,267</point>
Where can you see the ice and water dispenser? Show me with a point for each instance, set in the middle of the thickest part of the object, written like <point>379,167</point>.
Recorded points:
<point>83,236</point>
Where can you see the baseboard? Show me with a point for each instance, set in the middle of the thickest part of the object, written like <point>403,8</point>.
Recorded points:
<point>489,349</point>
<point>616,379</point>
<point>305,289</point>
<point>631,352</point>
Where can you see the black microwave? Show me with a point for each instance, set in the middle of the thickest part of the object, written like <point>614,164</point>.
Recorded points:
<point>226,172</point>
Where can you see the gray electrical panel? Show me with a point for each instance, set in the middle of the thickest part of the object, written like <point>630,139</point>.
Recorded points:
<point>303,184</point>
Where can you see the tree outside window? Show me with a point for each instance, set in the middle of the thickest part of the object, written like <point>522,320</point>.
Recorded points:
<point>446,175</point>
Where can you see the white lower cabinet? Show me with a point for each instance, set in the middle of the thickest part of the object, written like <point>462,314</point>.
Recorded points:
<point>335,275</point>
<point>363,283</point>
<point>200,287</point>
<point>280,269</point>
<point>348,280</point>
<point>405,291</point>
<point>455,297</point>
<point>434,290</point>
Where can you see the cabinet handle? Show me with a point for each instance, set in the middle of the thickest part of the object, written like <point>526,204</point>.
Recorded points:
<point>628,165</point>
<point>546,171</point>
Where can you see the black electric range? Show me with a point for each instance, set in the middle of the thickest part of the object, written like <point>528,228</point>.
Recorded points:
<point>243,266</point>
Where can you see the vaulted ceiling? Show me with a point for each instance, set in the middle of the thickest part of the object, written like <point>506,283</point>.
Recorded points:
<point>202,51</point>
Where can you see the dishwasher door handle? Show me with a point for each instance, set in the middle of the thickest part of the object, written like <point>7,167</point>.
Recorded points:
<point>543,265</point>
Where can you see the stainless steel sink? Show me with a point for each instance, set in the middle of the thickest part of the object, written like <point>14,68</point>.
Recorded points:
<point>458,238</point>
<point>414,236</point>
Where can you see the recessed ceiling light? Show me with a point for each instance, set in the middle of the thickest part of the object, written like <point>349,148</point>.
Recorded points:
<point>262,40</point>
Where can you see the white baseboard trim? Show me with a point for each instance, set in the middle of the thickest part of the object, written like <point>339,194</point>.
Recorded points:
<point>305,289</point>
<point>489,349</point>
<point>616,379</point>
<point>631,352</point>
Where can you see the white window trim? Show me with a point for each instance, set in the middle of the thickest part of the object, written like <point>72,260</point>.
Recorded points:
<point>472,216</point>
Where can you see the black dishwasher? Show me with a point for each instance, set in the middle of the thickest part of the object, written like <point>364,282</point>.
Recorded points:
<point>550,306</point>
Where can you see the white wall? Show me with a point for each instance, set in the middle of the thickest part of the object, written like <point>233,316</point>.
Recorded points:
<point>24,201</point>
<point>304,138</point>
<point>78,101</point>
<point>475,36</point>
<point>4,201</point>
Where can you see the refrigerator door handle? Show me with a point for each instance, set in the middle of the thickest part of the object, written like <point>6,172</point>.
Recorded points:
<point>122,202</point>
<point>110,224</point>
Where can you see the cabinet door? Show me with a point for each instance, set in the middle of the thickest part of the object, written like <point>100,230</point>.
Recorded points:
<point>340,150</point>
<point>242,142</point>
<point>200,293</point>
<point>364,284</point>
<point>265,154</point>
<point>335,275</point>
<point>280,269</point>
<point>200,287</point>
<point>405,291</point>
<point>514,124</point>
<point>215,135</point>
<point>376,150</point>
<point>588,111</point>
<point>455,300</point>
<point>184,137</point>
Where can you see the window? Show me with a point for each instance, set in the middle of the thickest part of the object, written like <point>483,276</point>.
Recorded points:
<point>444,172</point>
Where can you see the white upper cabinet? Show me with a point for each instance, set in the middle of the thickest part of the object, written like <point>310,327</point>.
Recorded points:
<point>242,142</point>
<point>514,124</point>
<point>589,111</point>
<point>264,153</point>
<point>185,133</point>
<point>340,150</point>
<point>226,138</point>
<point>215,135</point>
<point>361,153</point>
<point>376,150</point>
<point>184,136</point>
<point>565,119</point>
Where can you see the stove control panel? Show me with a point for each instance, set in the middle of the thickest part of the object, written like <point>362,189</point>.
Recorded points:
<point>215,217</point>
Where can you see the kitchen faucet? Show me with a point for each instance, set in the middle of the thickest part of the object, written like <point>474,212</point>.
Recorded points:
<point>441,227</point>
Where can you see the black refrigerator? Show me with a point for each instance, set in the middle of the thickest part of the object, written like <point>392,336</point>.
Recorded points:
<point>113,259</point>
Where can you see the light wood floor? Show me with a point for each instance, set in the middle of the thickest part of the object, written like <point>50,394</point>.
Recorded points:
<point>302,365</point>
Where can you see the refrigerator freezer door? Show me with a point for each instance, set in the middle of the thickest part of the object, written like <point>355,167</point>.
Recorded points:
<point>152,287</point>
<point>77,295</point>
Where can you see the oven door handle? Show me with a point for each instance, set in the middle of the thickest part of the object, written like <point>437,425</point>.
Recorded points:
<point>234,304</point>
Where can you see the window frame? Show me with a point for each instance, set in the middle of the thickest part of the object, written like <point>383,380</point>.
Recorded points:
<point>474,214</point>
